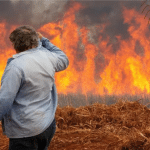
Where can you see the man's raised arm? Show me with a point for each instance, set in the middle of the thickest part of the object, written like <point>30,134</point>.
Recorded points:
<point>61,58</point>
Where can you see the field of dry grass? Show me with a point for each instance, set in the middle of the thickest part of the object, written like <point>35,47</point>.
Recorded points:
<point>124,125</point>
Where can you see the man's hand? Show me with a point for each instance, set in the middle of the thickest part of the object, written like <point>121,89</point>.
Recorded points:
<point>40,35</point>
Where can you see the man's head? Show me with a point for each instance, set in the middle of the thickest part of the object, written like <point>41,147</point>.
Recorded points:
<point>24,38</point>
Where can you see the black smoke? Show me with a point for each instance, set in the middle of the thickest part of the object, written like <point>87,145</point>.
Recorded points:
<point>109,12</point>
<point>37,13</point>
<point>34,13</point>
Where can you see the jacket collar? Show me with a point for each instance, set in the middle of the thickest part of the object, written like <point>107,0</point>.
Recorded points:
<point>28,51</point>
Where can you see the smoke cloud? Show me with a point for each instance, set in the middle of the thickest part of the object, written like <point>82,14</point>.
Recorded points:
<point>35,13</point>
<point>110,12</point>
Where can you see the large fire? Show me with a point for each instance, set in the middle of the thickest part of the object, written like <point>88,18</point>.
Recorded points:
<point>123,72</point>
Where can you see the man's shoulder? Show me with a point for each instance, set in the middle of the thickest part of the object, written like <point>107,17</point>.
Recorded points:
<point>9,60</point>
<point>13,63</point>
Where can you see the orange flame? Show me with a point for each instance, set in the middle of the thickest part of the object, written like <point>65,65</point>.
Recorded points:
<point>125,72</point>
<point>6,51</point>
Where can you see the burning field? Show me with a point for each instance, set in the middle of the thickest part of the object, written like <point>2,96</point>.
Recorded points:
<point>108,46</point>
<point>121,126</point>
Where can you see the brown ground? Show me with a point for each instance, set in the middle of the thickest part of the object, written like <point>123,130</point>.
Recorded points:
<point>122,126</point>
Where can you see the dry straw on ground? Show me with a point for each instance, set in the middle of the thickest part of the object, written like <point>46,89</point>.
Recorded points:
<point>121,126</point>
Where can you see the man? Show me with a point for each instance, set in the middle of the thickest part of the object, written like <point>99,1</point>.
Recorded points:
<point>28,97</point>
